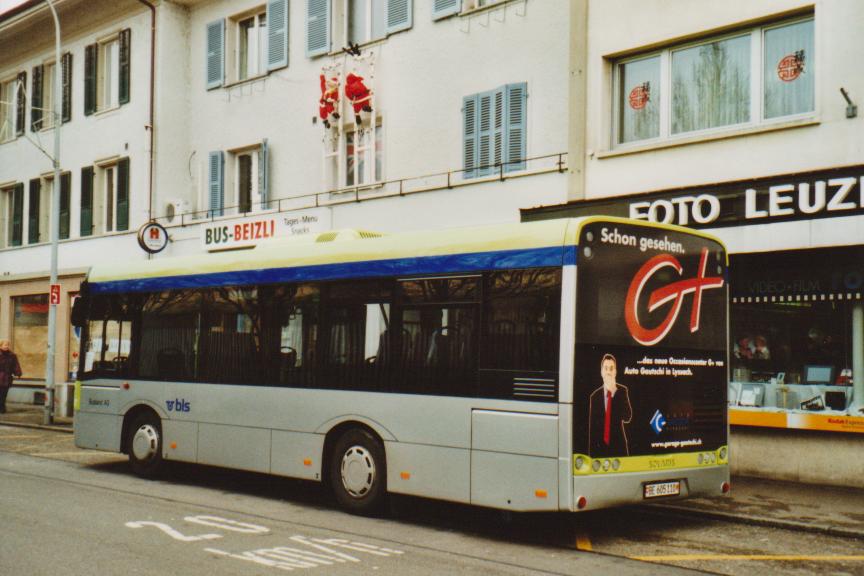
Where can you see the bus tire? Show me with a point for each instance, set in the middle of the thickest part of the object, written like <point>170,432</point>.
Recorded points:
<point>358,472</point>
<point>144,443</point>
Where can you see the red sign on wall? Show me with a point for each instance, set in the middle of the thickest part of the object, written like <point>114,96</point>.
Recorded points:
<point>54,300</point>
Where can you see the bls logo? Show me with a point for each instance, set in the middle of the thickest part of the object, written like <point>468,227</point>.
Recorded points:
<point>181,405</point>
<point>673,293</point>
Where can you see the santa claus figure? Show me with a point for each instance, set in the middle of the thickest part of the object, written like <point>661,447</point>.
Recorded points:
<point>329,99</point>
<point>359,95</point>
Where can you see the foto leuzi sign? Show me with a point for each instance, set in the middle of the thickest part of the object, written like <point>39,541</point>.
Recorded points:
<point>246,232</point>
<point>152,237</point>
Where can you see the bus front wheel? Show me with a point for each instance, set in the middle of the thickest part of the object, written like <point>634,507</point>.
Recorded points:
<point>145,445</point>
<point>358,472</point>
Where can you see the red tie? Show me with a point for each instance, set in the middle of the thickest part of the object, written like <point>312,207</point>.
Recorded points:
<point>607,420</point>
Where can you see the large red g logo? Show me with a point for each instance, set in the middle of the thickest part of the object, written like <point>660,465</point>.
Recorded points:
<point>674,292</point>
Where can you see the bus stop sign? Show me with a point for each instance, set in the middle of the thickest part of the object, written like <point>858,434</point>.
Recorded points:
<point>55,294</point>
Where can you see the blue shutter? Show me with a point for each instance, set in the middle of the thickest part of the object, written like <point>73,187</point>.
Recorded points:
<point>399,15</point>
<point>498,128</point>
<point>216,172</point>
<point>515,135</point>
<point>485,119</point>
<point>469,138</point>
<point>215,54</point>
<point>442,8</point>
<point>277,34</point>
<point>264,175</point>
<point>317,27</point>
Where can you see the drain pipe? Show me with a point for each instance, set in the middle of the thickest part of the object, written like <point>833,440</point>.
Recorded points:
<point>152,102</point>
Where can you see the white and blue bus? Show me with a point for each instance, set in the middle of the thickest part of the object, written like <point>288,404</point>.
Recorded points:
<point>559,365</point>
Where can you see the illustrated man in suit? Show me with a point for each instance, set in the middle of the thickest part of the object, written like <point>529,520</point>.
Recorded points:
<point>609,411</point>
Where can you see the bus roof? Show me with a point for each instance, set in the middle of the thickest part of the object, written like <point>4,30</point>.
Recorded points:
<point>326,256</point>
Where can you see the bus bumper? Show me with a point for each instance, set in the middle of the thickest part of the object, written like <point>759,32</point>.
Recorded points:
<point>606,490</point>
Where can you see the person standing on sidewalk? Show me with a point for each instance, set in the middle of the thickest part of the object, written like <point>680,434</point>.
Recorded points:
<point>9,369</point>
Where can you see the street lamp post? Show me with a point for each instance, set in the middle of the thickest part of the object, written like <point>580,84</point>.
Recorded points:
<point>48,416</point>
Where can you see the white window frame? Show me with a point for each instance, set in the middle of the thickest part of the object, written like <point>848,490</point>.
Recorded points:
<point>757,119</point>
<point>8,108</point>
<point>107,74</point>
<point>368,36</point>
<point>233,45</point>
<point>48,72</point>
<point>232,172</point>
<point>258,47</point>
<point>104,206</point>
<point>7,193</point>
<point>336,156</point>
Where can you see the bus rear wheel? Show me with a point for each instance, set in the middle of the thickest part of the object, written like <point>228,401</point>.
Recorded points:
<point>358,472</point>
<point>144,443</point>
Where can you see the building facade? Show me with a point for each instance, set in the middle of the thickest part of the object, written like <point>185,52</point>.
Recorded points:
<point>742,121</point>
<point>227,122</point>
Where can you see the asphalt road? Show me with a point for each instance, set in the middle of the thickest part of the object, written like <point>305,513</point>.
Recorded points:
<point>67,511</point>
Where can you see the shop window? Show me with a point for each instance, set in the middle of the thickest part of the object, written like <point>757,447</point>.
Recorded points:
<point>30,333</point>
<point>785,354</point>
<point>73,348</point>
<point>712,85</point>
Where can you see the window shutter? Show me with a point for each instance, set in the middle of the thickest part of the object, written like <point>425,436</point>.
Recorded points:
<point>484,133</point>
<point>91,57</point>
<point>125,64</point>
<point>399,15</point>
<point>469,144</point>
<point>36,100</point>
<point>317,27</point>
<point>65,186</point>
<point>21,103</point>
<point>498,122</point>
<point>33,214</point>
<point>264,175</point>
<point>517,100</point>
<point>442,8</point>
<point>215,54</point>
<point>17,214</point>
<point>67,87</point>
<point>216,180</point>
<point>277,34</point>
<point>86,201</point>
<point>122,218</point>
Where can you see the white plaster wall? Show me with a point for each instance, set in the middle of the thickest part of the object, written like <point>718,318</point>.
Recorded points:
<point>621,27</point>
<point>85,139</point>
<point>421,76</point>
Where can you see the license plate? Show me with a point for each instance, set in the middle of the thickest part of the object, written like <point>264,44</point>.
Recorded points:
<point>661,489</point>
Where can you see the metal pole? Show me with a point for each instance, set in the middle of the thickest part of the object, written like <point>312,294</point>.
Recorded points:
<point>48,416</point>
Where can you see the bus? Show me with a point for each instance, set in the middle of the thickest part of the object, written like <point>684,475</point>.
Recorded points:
<point>563,365</point>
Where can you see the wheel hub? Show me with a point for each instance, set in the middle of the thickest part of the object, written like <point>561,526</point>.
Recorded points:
<point>358,471</point>
<point>145,443</point>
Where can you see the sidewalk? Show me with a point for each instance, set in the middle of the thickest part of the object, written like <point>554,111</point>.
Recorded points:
<point>30,416</point>
<point>790,505</point>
